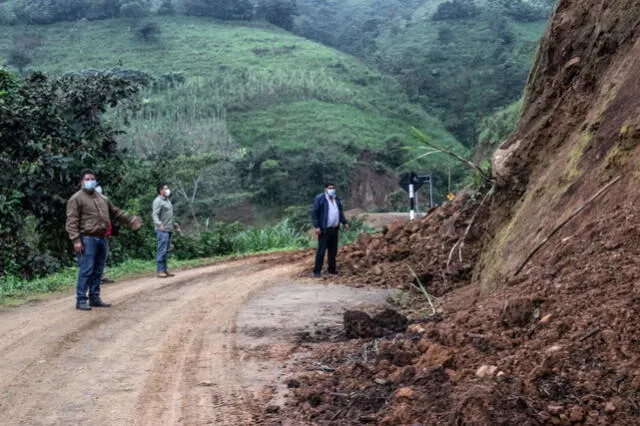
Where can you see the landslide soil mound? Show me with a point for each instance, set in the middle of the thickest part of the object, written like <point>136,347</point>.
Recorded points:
<point>556,343</point>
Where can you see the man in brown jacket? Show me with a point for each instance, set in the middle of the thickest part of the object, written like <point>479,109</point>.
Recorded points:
<point>88,217</point>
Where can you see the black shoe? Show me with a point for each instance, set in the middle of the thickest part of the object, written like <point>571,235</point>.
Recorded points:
<point>83,306</point>
<point>317,275</point>
<point>98,303</point>
<point>333,272</point>
<point>107,280</point>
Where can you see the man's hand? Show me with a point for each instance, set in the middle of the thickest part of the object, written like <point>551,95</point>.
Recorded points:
<point>136,223</point>
<point>346,226</point>
<point>178,229</point>
<point>316,232</point>
<point>77,247</point>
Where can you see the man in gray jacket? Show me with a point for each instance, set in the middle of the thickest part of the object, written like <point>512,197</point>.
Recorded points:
<point>162,216</point>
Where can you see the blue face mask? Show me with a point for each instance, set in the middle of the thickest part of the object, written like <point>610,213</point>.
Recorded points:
<point>331,192</point>
<point>90,185</point>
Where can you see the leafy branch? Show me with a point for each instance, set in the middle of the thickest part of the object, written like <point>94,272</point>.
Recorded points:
<point>424,138</point>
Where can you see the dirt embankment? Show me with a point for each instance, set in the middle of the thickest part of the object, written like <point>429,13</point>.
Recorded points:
<point>558,342</point>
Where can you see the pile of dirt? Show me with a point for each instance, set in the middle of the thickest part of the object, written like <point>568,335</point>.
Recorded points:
<point>407,254</point>
<point>558,345</point>
<point>545,339</point>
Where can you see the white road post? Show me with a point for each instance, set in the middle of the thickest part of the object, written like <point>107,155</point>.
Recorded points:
<point>412,202</point>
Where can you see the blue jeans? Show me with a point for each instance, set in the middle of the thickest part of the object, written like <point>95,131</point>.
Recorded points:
<point>163,239</point>
<point>91,264</point>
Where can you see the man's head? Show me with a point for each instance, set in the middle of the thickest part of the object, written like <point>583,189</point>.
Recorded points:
<point>330,190</point>
<point>88,180</point>
<point>163,189</point>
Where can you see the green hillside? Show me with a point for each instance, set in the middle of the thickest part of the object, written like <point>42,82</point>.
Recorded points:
<point>462,60</point>
<point>271,103</point>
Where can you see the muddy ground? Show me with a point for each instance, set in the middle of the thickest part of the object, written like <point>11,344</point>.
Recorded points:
<point>209,346</point>
<point>257,341</point>
<point>557,345</point>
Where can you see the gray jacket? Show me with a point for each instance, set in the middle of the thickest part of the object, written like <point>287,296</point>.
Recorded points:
<point>162,213</point>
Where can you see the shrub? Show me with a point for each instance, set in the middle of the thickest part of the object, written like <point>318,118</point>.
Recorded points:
<point>522,11</point>
<point>216,242</point>
<point>169,80</point>
<point>220,9</point>
<point>23,50</point>
<point>280,13</point>
<point>456,9</point>
<point>134,10</point>
<point>299,217</point>
<point>148,31</point>
<point>19,58</point>
<point>398,200</point>
<point>280,236</point>
<point>166,8</point>
<point>7,15</point>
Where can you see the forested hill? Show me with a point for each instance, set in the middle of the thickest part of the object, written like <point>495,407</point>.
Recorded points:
<point>285,113</point>
<point>460,59</point>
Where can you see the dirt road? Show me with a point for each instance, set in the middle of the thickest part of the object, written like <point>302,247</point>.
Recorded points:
<point>169,351</point>
<point>163,354</point>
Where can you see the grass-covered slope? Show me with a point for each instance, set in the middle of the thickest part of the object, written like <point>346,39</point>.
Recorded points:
<point>462,69</point>
<point>247,85</point>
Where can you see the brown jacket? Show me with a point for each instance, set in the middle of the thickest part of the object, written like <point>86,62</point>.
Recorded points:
<point>89,214</point>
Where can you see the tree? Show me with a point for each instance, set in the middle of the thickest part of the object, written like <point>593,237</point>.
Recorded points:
<point>220,9</point>
<point>134,10</point>
<point>23,50</point>
<point>50,129</point>
<point>166,8</point>
<point>19,59</point>
<point>148,31</point>
<point>456,9</point>
<point>280,13</point>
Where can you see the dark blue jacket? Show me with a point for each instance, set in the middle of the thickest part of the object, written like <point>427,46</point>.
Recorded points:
<point>320,212</point>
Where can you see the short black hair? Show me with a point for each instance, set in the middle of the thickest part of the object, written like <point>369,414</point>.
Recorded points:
<point>161,185</point>
<point>329,184</point>
<point>85,172</point>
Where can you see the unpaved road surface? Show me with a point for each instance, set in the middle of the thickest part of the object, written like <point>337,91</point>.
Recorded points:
<point>169,351</point>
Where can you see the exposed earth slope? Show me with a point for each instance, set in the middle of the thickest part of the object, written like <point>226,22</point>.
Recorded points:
<point>546,336</point>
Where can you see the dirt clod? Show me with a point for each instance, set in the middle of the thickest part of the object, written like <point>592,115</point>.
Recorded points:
<point>358,324</point>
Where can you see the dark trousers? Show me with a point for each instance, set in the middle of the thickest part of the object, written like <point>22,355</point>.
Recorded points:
<point>163,240</point>
<point>91,264</point>
<point>327,242</point>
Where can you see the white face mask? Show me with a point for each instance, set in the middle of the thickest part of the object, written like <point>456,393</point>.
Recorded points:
<point>167,192</point>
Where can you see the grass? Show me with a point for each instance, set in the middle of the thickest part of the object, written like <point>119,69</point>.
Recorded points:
<point>233,71</point>
<point>15,291</point>
<point>255,240</point>
<point>281,236</point>
<point>251,91</point>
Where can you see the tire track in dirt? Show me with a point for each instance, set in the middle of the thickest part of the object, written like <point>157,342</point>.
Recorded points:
<point>198,378</point>
<point>163,354</point>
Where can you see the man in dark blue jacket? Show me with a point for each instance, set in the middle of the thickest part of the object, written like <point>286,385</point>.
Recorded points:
<point>326,216</point>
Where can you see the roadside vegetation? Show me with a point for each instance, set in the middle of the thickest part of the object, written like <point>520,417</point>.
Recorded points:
<point>245,119</point>
<point>225,242</point>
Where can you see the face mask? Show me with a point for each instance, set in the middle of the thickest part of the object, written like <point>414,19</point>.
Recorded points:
<point>167,192</point>
<point>331,192</point>
<point>90,185</point>
<point>99,189</point>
